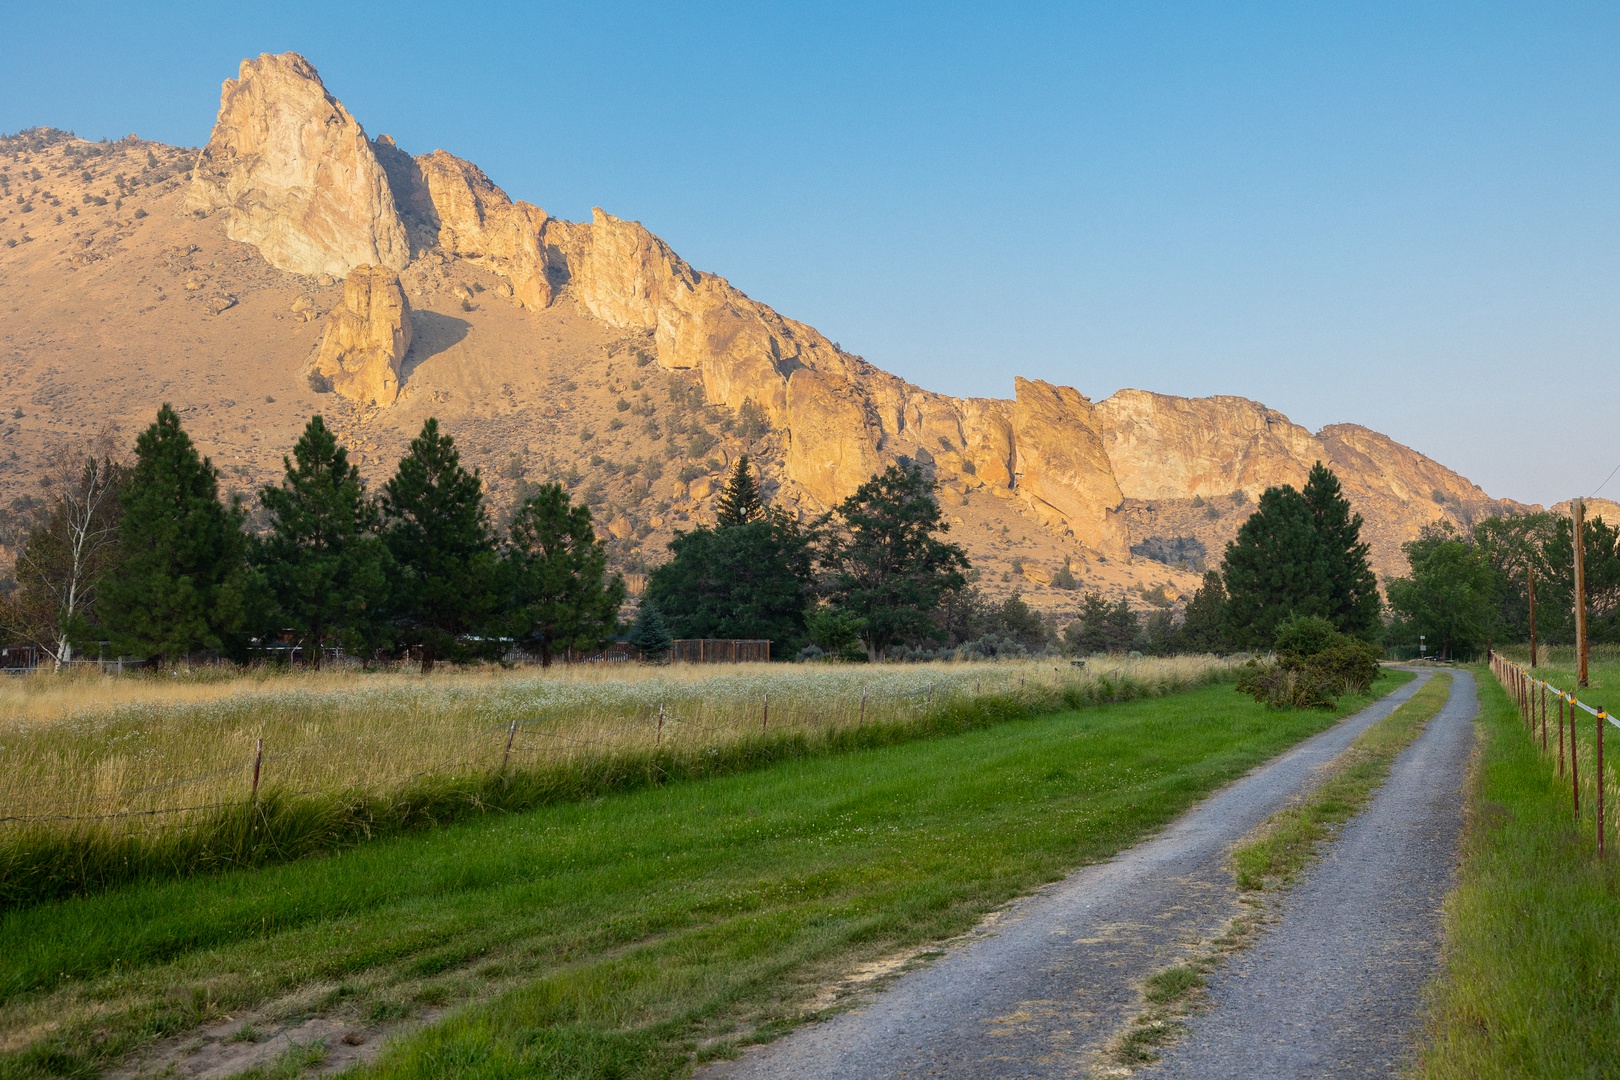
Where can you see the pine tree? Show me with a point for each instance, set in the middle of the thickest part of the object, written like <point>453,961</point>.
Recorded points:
<point>1353,604</point>
<point>561,594</point>
<point>439,536</point>
<point>180,585</point>
<point>648,634</point>
<point>322,560</point>
<point>1203,627</point>
<point>747,580</point>
<point>1275,567</point>
<point>740,502</point>
<point>887,566</point>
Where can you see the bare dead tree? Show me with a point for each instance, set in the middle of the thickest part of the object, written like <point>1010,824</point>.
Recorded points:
<point>62,559</point>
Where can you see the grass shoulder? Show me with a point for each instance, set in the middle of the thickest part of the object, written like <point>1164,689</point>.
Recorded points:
<point>1528,986</point>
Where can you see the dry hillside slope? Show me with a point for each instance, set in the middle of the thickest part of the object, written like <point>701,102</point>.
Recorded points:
<point>135,273</point>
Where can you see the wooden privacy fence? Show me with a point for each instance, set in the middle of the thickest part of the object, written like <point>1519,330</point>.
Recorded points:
<point>719,650</point>
<point>1531,694</point>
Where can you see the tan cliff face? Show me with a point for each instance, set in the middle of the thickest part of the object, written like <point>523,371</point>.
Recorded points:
<point>556,348</point>
<point>295,174</point>
<point>366,338</point>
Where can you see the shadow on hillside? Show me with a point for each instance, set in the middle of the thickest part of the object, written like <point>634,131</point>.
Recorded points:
<point>431,334</point>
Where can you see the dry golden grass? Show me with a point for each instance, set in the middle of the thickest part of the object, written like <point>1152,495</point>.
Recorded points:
<point>95,746</point>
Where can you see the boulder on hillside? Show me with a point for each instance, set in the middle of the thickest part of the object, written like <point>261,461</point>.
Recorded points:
<point>366,338</point>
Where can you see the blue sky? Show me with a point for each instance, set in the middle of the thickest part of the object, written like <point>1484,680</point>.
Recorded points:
<point>1403,215</point>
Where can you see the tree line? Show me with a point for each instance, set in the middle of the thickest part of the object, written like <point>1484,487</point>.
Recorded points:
<point>1468,589</point>
<point>146,559</point>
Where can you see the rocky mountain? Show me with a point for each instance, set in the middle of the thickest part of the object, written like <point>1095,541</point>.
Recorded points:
<point>296,265</point>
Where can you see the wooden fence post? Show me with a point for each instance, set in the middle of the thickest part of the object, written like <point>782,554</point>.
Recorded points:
<point>1530,576</point>
<point>1577,510</point>
<point>659,741</point>
<point>765,717</point>
<point>511,733</point>
<point>863,704</point>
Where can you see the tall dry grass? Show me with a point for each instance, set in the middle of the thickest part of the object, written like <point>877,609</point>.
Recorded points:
<point>105,780</point>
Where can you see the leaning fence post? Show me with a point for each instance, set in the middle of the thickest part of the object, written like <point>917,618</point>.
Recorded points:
<point>511,733</point>
<point>258,756</point>
<point>659,741</point>
<point>765,716</point>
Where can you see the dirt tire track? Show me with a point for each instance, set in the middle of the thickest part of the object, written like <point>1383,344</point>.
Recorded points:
<point>1335,989</point>
<point>1043,990</point>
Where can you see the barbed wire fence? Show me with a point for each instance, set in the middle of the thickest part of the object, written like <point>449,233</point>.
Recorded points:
<point>1530,696</point>
<point>536,741</point>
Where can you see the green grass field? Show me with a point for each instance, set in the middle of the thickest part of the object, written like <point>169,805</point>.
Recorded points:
<point>632,934</point>
<point>1531,985</point>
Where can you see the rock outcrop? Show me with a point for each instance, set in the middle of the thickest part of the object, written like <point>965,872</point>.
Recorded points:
<point>1165,447</point>
<point>366,338</point>
<point>1062,469</point>
<point>296,174</point>
<point>300,180</point>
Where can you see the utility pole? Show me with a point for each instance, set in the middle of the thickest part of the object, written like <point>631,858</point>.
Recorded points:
<point>1530,574</point>
<point>1577,511</point>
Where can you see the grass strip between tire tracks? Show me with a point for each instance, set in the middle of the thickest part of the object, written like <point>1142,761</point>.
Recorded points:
<point>1292,838</point>
<point>1271,859</point>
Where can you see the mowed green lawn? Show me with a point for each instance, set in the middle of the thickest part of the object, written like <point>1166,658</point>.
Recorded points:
<point>633,934</point>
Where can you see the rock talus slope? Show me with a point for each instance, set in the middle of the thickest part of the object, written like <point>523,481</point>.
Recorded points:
<point>548,338</point>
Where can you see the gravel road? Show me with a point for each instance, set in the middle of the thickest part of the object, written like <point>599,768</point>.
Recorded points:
<point>1335,990</point>
<point>1040,992</point>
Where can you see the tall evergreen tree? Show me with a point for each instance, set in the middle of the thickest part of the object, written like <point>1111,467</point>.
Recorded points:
<point>745,580</point>
<point>439,536</point>
<point>562,596</point>
<point>740,502</point>
<point>887,566</point>
<point>1352,600</point>
<point>180,585</point>
<point>1203,627</point>
<point>1103,627</point>
<point>1274,568</point>
<point>322,560</point>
